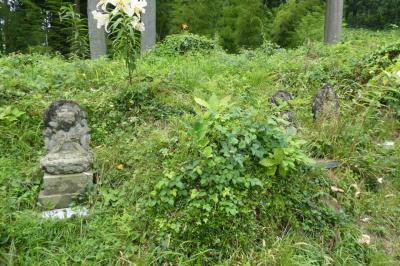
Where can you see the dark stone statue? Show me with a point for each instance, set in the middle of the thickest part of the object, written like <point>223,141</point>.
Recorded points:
<point>326,103</point>
<point>66,136</point>
<point>278,99</point>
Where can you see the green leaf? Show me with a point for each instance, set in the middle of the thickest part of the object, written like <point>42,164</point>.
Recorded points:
<point>194,193</point>
<point>272,170</point>
<point>268,162</point>
<point>232,211</point>
<point>202,102</point>
<point>226,192</point>
<point>208,152</point>
<point>173,192</point>
<point>256,182</point>
<point>278,155</point>
<point>206,207</point>
<point>282,170</point>
<point>17,113</point>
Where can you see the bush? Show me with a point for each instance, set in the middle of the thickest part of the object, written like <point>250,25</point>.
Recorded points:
<point>377,61</point>
<point>185,43</point>
<point>388,83</point>
<point>269,48</point>
<point>228,175</point>
<point>238,23</point>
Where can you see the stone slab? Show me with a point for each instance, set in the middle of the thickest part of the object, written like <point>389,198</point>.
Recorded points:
<point>66,184</point>
<point>65,213</point>
<point>56,201</point>
<point>328,164</point>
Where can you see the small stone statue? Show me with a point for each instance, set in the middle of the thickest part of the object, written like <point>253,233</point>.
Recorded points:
<point>326,103</point>
<point>68,161</point>
<point>280,97</point>
<point>67,138</point>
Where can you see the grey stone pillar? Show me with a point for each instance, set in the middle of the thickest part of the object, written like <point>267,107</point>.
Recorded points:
<point>148,38</point>
<point>97,37</point>
<point>333,21</point>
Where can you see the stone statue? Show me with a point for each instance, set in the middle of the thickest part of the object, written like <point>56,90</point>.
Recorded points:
<point>68,162</point>
<point>281,96</point>
<point>278,99</point>
<point>326,103</point>
<point>67,138</point>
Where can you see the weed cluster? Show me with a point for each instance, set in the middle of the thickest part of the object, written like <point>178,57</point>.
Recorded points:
<point>184,181</point>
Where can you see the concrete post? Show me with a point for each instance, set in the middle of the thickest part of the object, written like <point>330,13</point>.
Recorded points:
<point>148,37</point>
<point>97,37</point>
<point>333,21</point>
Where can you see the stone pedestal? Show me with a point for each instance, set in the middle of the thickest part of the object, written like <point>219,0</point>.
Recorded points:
<point>59,190</point>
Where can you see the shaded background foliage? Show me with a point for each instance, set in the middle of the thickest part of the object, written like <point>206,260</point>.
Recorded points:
<point>27,25</point>
<point>372,13</point>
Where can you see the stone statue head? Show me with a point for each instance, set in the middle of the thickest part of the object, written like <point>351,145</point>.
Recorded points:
<point>65,121</point>
<point>63,115</point>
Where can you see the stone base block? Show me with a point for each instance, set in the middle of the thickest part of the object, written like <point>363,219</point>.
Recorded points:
<point>58,191</point>
<point>56,201</point>
<point>64,184</point>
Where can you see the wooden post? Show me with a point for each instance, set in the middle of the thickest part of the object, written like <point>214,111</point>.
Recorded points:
<point>97,37</point>
<point>148,37</point>
<point>333,21</point>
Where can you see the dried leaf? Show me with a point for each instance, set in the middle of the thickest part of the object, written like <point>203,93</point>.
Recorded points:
<point>364,240</point>
<point>336,189</point>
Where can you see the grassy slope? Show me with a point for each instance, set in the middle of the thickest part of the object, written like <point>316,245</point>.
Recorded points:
<point>131,125</point>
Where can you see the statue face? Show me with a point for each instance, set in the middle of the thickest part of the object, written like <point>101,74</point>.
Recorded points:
<point>65,117</point>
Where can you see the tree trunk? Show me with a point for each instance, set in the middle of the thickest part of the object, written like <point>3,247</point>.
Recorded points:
<point>97,37</point>
<point>148,38</point>
<point>333,21</point>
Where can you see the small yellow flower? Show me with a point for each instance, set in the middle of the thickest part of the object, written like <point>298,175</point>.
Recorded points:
<point>185,26</point>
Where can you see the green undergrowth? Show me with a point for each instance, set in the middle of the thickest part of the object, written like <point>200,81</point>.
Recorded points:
<point>192,165</point>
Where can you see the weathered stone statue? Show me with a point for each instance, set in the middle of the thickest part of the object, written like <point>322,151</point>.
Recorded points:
<point>69,159</point>
<point>326,103</point>
<point>284,97</point>
<point>281,96</point>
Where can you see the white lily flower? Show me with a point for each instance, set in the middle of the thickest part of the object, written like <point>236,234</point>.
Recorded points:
<point>102,4</point>
<point>102,19</point>
<point>137,25</point>
<point>138,6</point>
<point>140,27</point>
<point>122,5</point>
